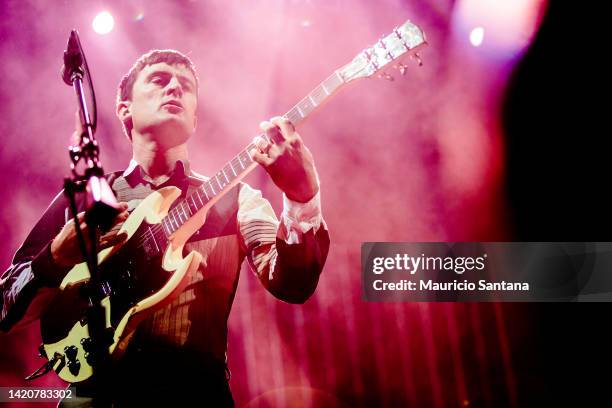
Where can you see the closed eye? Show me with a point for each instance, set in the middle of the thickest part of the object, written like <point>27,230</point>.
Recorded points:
<point>162,78</point>
<point>159,78</point>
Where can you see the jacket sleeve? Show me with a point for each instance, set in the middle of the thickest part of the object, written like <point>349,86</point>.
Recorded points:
<point>31,281</point>
<point>287,255</point>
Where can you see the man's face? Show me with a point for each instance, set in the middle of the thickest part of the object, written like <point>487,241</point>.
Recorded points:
<point>164,102</point>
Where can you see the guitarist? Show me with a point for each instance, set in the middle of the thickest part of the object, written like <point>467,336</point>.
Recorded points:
<point>178,353</point>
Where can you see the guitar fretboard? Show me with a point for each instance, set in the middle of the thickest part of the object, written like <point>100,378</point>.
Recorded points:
<point>315,98</point>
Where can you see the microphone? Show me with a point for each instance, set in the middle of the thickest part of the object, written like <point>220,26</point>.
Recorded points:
<point>73,60</point>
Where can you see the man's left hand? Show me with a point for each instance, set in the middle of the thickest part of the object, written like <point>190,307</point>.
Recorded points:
<point>287,160</point>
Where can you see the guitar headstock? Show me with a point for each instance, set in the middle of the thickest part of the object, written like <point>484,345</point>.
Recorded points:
<point>402,43</point>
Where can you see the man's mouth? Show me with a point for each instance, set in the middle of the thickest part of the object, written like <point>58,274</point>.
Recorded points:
<point>173,105</point>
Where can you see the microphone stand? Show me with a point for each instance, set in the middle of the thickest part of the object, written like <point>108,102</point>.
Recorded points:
<point>100,210</point>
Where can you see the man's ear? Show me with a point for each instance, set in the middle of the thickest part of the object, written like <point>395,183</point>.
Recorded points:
<point>195,122</point>
<point>124,113</point>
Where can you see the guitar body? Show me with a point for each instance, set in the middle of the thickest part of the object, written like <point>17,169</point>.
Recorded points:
<point>138,280</point>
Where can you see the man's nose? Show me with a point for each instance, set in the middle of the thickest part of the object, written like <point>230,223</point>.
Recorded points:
<point>174,87</point>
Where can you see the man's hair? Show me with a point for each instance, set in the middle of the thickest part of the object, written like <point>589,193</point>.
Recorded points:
<point>170,57</point>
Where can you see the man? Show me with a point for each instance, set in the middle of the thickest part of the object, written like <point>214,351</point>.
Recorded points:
<point>179,351</point>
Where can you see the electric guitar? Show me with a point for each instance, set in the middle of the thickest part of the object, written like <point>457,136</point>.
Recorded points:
<point>149,270</point>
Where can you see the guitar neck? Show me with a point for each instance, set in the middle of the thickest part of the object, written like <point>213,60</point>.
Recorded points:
<point>315,98</point>
<point>242,164</point>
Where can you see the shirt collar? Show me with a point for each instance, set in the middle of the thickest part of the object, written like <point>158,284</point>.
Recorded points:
<point>135,172</point>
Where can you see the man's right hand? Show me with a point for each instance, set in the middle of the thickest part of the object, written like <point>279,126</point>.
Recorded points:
<point>65,248</point>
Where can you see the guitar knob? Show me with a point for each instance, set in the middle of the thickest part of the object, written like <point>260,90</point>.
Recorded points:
<point>71,352</point>
<point>418,59</point>
<point>74,367</point>
<point>86,342</point>
<point>402,68</point>
<point>90,359</point>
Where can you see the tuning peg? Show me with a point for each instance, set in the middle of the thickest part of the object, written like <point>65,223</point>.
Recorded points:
<point>402,68</point>
<point>418,59</point>
<point>386,76</point>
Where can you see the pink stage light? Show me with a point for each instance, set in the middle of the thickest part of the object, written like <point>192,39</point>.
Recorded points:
<point>477,36</point>
<point>103,23</point>
<point>510,25</point>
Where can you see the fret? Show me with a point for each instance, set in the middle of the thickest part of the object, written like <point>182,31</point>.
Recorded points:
<point>166,227</point>
<point>340,79</point>
<point>186,210</point>
<point>331,83</point>
<point>218,182</point>
<point>243,160</point>
<point>181,212</point>
<point>324,88</point>
<point>195,206</point>
<point>305,107</point>
<point>243,163</point>
<point>174,218</point>
<point>214,193</point>
<point>312,101</point>
<point>300,112</point>
<point>203,188</point>
<point>239,158</point>
<point>225,175</point>
<point>318,95</point>
<point>294,116</point>
<point>232,167</point>
<point>209,193</point>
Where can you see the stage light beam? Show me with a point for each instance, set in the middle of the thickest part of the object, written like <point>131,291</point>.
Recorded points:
<point>103,23</point>
<point>477,36</point>
<point>510,25</point>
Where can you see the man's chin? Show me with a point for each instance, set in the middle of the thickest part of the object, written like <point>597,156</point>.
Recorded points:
<point>171,132</point>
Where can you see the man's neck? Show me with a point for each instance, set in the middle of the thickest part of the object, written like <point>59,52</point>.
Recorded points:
<point>157,161</point>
